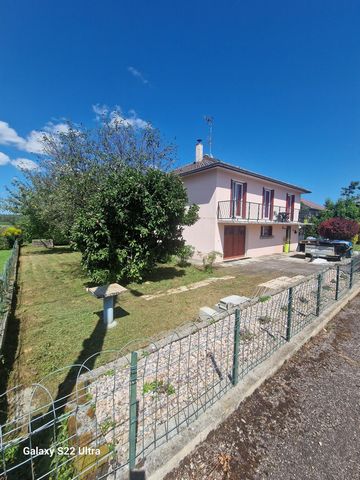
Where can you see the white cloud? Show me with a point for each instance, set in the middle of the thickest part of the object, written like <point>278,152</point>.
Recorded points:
<point>33,141</point>
<point>24,164</point>
<point>8,135</point>
<point>100,110</point>
<point>117,116</point>
<point>137,74</point>
<point>4,159</point>
<point>19,163</point>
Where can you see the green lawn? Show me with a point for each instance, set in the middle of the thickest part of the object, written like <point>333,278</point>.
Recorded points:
<point>4,255</point>
<point>59,322</point>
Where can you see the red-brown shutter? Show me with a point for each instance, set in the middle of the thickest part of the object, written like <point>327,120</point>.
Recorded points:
<point>292,207</point>
<point>287,203</point>
<point>272,196</point>
<point>244,196</point>
<point>232,207</point>
<point>263,203</point>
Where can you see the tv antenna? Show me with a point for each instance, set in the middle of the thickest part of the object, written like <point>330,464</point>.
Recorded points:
<point>209,120</point>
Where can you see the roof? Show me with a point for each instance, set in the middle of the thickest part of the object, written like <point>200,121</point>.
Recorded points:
<point>208,163</point>
<point>313,205</point>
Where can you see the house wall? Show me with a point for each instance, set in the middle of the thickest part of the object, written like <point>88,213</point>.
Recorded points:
<point>255,246</point>
<point>206,189</point>
<point>201,189</point>
<point>254,188</point>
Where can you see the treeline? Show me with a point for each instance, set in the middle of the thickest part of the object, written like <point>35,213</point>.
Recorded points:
<point>9,219</point>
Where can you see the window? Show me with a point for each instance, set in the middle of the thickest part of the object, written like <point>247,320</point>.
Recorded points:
<point>290,204</point>
<point>266,203</point>
<point>266,231</point>
<point>237,196</point>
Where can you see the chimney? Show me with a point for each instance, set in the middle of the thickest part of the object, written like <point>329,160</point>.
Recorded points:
<point>199,151</point>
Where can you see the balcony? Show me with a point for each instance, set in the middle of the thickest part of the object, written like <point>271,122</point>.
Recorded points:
<point>251,212</point>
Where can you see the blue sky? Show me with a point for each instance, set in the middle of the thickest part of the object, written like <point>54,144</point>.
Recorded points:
<point>280,78</point>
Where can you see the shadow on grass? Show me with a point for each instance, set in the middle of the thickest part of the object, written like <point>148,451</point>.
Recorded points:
<point>164,272</point>
<point>91,349</point>
<point>48,432</point>
<point>119,312</point>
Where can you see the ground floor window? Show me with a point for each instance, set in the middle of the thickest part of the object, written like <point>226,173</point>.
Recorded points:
<point>266,231</point>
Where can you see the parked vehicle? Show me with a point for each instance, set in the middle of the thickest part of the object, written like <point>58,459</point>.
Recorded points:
<point>324,248</point>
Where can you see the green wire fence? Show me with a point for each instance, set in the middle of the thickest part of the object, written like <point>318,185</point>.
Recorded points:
<point>122,412</point>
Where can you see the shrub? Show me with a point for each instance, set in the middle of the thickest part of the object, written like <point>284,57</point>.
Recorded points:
<point>208,261</point>
<point>185,253</point>
<point>338,228</point>
<point>10,234</point>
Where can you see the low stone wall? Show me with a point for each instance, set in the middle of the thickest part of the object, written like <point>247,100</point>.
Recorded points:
<point>40,242</point>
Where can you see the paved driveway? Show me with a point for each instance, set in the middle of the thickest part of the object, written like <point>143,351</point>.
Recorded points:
<point>284,264</point>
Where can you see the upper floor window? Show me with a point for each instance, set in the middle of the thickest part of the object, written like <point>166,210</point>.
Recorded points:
<point>290,206</point>
<point>266,203</point>
<point>238,196</point>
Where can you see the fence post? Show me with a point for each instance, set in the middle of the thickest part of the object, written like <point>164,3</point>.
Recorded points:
<point>289,315</point>
<point>337,282</point>
<point>235,368</point>
<point>318,296</point>
<point>132,411</point>
<point>351,273</point>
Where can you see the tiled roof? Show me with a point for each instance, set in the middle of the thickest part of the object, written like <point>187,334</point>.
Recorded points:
<point>313,205</point>
<point>193,167</point>
<point>210,162</point>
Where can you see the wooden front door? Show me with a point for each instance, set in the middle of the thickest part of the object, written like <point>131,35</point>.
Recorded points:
<point>234,241</point>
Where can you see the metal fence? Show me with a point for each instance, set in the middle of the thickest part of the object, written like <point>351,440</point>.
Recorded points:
<point>7,273</point>
<point>110,419</point>
<point>7,281</point>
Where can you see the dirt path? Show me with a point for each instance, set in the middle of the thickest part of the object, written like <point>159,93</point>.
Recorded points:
<point>302,424</point>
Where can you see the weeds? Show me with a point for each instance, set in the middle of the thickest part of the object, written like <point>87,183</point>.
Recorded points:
<point>158,386</point>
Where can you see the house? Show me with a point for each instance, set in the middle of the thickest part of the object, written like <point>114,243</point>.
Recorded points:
<point>242,213</point>
<point>310,209</point>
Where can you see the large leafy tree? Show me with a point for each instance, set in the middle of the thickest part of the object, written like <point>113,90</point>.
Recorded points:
<point>347,207</point>
<point>109,193</point>
<point>132,224</point>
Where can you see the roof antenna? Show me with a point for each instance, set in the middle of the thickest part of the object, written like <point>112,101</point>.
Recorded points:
<point>209,120</point>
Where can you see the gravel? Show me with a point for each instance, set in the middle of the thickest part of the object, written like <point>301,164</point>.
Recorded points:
<point>304,423</point>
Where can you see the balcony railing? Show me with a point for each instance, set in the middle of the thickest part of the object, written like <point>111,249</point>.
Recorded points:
<point>256,212</point>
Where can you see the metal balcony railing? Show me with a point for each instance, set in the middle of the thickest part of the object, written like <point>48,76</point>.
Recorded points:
<point>257,212</point>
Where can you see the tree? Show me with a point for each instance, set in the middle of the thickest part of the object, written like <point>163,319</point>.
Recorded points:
<point>132,224</point>
<point>75,165</point>
<point>347,207</point>
<point>109,193</point>
<point>352,191</point>
<point>339,229</point>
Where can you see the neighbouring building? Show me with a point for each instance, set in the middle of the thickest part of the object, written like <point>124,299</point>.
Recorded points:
<point>242,213</point>
<point>309,209</point>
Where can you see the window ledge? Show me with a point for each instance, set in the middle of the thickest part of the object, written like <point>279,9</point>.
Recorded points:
<point>266,236</point>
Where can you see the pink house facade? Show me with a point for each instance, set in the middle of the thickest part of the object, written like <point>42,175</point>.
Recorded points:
<point>242,213</point>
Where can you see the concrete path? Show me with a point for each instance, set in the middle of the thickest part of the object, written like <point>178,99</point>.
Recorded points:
<point>303,424</point>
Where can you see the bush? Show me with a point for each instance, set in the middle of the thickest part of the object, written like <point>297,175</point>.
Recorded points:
<point>10,234</point>
<point>208,261</point>
<point>338,228</point>
<point>185,253</point>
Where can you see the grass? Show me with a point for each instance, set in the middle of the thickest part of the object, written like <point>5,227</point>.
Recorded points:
<point>357,247</point>
<point>59,322</point>
<point>4,255</point>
